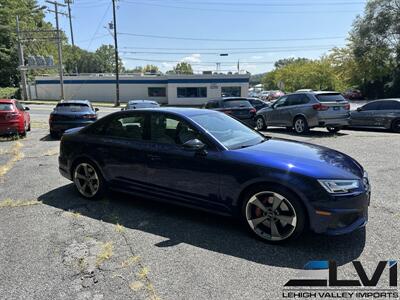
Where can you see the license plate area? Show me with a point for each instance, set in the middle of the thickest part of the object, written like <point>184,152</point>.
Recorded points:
<point>336,108</point>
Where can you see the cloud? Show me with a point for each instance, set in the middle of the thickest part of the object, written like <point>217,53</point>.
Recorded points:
<point>194,58</point>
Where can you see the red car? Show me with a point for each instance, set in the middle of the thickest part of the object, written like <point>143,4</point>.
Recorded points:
<point>14,118</point>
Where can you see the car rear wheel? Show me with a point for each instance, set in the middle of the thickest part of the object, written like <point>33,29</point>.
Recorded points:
<point>260,123</point>
<point>273,214</point>
<point>396,126</point>
<point>29,127</point>
<point>88,180</point>
<point>333,129</point>
<point>300,125</point>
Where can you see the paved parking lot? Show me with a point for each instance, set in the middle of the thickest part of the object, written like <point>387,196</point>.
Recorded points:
<point>56,245</point>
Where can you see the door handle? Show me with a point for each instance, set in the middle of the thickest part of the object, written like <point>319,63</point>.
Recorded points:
<point>153,157</point>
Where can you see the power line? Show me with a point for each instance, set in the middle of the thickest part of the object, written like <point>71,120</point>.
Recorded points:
<point>228,40</point>
<point>196,63</point>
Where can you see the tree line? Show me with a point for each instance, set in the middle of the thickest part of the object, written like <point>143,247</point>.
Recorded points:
<point>370,61</point>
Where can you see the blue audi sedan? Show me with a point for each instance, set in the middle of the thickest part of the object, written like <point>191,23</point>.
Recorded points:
<point>207,160</point>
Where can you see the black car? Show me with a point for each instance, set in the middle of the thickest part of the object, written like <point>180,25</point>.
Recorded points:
<point>70,114</point>
<point>135,104</point>
<point>239,108</point>
<point>258,103</point>
<point>380,114</point>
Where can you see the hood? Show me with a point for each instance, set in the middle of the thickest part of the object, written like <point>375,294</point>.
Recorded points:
<point>303,158</point>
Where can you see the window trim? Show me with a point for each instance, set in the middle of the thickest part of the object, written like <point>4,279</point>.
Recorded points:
<point>192,87</point>
<point>156,87</point>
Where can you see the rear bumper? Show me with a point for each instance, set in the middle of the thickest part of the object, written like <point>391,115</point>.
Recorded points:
<point>60,127</point>
<point>9,128</point>
<point>341,215</point>
<point>339,122</point>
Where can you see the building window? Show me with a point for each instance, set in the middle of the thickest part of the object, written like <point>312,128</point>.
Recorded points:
<point>192,92</point>
<point>157,92</point>
<point>231,91</point>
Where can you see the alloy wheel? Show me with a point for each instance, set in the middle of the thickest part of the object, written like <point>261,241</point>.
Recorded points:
<point>260,123</point>
<point>86,180</point>
<point>299,125</point>
<point>271,216</point>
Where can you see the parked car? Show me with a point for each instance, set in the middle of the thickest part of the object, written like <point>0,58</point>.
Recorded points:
<point>240,108</point>
<point>380,113</point>
<point>70,114</point>
<point>258,103</point>
<point>14,117</point>
<point>273,95</point>
<point>264,95</point>
<point>353,94</point>
<point>135,104</point>
<point>207,160</point>
<point>303,111</point>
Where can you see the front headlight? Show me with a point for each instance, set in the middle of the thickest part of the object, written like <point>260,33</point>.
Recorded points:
<point>339,186</point>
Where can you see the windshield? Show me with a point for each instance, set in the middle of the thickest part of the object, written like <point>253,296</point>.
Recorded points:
<point>330,97</point>
<point>142,105</point>
<point>237,103</point>
<point>74,107</point>
<point>228,131</point>
<point>6,107</point>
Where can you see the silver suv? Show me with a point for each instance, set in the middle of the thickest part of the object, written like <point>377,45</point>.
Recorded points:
<point>306,110</point>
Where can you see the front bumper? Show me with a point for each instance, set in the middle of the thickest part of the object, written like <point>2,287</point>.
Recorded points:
<point>63,168</point>
<point>340,215</point>
<point>60,127</point>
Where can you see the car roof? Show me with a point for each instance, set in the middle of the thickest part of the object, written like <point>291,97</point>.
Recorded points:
<point>141,101</point>
<point>75,101</point>
<point>182,111</point>
<point>7,100</point>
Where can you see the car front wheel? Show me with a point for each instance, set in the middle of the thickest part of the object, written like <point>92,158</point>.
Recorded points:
<point>260,124</point>
<point>274,215</point>
<point>396,126</point>
<point>88,180</point>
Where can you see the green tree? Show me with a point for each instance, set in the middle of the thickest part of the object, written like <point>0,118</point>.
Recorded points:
<point>286,61</point>
<point>150,69</point>
<point>183,68</point>
<point>106,54</point>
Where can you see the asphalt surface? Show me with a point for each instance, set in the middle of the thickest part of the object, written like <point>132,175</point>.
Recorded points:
<point>56,245</point>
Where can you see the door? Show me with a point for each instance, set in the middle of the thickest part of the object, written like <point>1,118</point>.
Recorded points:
<point>120,145</point>
<point>178,174</point>
<point>24,113</point>
<point>274,116</point>
<point>386,113</point>
<point>364,116</point>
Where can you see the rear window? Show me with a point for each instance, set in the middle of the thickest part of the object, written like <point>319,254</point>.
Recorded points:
<point>6,107</point>
<point>72,107</point>
<point>237,103</point>
<point>330,97</point>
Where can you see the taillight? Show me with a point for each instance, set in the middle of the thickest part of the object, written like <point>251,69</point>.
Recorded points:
<point>51,118</point>
<point>320,106</point>
<point>253,110</point>
<point>91,116</point>
<point>347,106</point>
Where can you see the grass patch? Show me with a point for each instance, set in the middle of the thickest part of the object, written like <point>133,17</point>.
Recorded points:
<point>143,272</point>
<point>130,261</point>
<point>17,155</point>
<point>18,203</point>
<point>119,228</point>
<point>136,285</point>
<point>105,253</point>
<point>51,152</point>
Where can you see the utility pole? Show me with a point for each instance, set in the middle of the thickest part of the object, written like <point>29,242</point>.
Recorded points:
<point>116,56</point>
<point>69,2</point>
<point>61,71</point>
<point>21,62</point>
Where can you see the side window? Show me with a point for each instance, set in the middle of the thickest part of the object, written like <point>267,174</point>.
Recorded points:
<point>280,102</point>
<point>372,106</point>
<point>128,126</point>
<point>19,105</point>
<point>390,105</point>
<point>292,100</point>
<point>171,130</point>
<point>212,104</point>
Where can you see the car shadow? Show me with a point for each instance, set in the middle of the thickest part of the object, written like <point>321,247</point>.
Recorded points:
<point>204,230</point>
<point>368,129</point>
<point>311,133</point>
<point>48,138</point>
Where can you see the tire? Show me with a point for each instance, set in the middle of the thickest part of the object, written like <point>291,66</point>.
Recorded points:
<point>279,214</point>
<point>29,127</point>
<point>396,126</point>
<point>88,180</point>
<point>300,125</point>
<point>260,123</point>
<point>23,133</point>
<point>333,129</point>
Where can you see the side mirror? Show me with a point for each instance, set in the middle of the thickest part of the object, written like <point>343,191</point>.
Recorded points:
<point>96,109</point>
<point>359,109</point>
<point>194,145</point>
<point>26,108</point>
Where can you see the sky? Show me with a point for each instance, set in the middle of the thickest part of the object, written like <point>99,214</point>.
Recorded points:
<point>254,33</point>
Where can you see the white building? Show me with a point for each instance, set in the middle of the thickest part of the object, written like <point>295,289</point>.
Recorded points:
<point>166,89</point>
